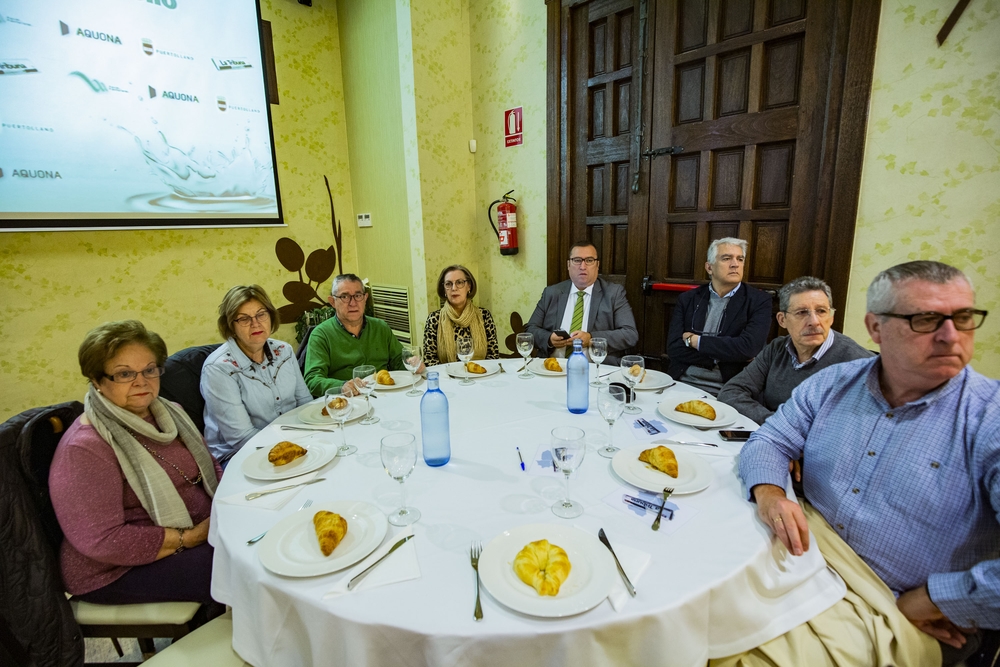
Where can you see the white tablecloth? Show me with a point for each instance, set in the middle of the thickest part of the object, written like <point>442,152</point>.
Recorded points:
<point>716,586</point>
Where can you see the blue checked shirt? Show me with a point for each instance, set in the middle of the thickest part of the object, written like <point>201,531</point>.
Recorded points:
<point>914,490</point>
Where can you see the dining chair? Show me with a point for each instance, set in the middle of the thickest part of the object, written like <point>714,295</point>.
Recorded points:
<point>211,644</point>
<point>181,381</point>
<point>42,624</point>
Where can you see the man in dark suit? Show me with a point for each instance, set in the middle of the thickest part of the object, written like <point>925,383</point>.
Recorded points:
<point>585,306</point>
<point>718,328</point>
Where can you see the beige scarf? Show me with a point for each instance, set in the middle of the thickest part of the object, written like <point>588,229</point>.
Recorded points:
<point>142,471</point>
<point>471,319</point>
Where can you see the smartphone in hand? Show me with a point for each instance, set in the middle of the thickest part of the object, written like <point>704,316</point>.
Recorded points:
<point>561,334</point>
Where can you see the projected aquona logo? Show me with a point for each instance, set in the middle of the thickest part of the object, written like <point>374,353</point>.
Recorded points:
<point>173,95</point>
<point>19,66</point>
<point>169,4</point>
<point>47,174</point>
<point>90,34</point>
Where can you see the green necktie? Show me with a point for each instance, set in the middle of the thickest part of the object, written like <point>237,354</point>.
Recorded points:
<point>577,323</point>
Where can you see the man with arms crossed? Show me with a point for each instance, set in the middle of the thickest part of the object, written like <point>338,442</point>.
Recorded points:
<point>903,473</point>
<point>349,339</point>
<point>585,306</point>
<point>810,346</point>
<point>718,328</point>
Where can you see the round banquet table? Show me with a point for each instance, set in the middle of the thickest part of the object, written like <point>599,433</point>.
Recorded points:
<point>716,585</point>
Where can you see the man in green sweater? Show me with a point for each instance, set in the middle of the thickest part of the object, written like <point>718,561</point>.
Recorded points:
<point>347,340</point>
<point>783,364</point>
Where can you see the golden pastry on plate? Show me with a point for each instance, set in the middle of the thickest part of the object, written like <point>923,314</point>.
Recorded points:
<point>473,367</point>
<point>699,408</point>
<point>542,566</point>
<point>662,458</point>
<point>552,364</point>
<point>339,403</point>
<point>330,530</point>
<point>383,377</point>
<point>285,452</point>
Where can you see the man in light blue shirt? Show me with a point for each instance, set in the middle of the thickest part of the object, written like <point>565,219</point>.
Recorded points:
<point>902,456</point>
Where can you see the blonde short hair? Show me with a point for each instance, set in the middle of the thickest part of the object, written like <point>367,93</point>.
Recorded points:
<point>234,300</point>
<point>103,342</point>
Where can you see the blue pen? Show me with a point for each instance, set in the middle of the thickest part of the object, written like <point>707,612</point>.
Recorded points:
<point>519,456</point>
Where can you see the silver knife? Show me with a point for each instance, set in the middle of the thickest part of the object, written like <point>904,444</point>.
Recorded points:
<point>354,582</point>
<point>258,494</point>
<point>289,427</point>
<point>628,584</point>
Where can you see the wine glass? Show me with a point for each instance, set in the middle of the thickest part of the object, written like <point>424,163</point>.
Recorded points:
<point>464,346</point>
<point>568,449</point>
<point>399,455</point>
<point>611,403</point>
<point>338,408</point>
<point>525,344</point>
<point>632,367</point>
<point>598,353</point>
<point>366,385</point>
<point>411,360</point>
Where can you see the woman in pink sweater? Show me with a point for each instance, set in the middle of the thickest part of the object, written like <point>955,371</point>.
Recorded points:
<point>132,480</point>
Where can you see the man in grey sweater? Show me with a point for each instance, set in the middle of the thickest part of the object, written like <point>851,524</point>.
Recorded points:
<point>810,346</point>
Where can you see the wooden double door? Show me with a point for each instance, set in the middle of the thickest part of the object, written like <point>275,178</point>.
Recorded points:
<point>676,122</point>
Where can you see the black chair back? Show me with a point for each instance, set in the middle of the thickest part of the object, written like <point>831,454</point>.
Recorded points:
<point>300,356</point>
<point>181,381</point>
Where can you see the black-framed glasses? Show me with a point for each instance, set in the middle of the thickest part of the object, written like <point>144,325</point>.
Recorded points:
<point>458,284</point>
<point>122,377</point>
<point>966,319</point>
<point>262,317</point>
<point>577,261</point>
<point>350,298</point>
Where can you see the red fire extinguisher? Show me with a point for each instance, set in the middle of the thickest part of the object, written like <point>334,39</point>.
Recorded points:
<point>507,220</point>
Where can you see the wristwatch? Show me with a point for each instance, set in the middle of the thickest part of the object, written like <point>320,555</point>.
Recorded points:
<point>687,342</point>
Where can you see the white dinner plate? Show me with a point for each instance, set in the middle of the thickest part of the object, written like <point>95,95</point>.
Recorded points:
<point>313,413</point>
<point>456,369</point>
<point>725,415</point>
<point>256,466</point>
<point>536,367</point>
<point>291,548</point>
<point>693,472</point>
<point>403,379</point>
<point>591,576</point>
<point>653,380</point>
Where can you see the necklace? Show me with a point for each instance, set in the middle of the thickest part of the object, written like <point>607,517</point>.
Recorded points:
<point>194,482</point>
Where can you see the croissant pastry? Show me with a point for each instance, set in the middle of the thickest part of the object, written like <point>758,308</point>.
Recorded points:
<point>552,364</point>
<point>338,403</point>
<point>662,458</point>
<point>285,452</point>
<point>542,566</point>
<point>699,408</point>
<point>330,530</point>
<point>473,367</point>
<point>383,377</point>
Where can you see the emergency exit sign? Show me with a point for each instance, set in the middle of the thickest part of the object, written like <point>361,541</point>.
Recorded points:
<point>512,129</point>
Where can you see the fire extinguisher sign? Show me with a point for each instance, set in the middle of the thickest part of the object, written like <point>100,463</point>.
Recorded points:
<point>512,129</point>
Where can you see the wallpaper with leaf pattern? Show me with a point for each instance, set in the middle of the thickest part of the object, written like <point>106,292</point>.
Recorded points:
<point>931,181</point>
<point>55,286</point>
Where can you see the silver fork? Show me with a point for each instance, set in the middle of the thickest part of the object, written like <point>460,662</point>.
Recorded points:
<point>255,540</point>
<point>666,494</point>
<point>665,388</point>
<point>474,553</point>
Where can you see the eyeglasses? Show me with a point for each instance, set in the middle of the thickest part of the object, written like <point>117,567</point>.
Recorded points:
<point>458,284</point>
<point>350,298</point>
<point>966,319</point>
<point>262,317</point>
<point>803,313</point>
<point>577,261</point>
<point>122,377</point>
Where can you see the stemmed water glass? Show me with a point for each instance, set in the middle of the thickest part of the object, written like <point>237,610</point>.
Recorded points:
<point>399,455</point>
<point>629,364</point>
<point>598,353</point>
<point>366,385</point>
<point>525,344</point>
<point>464,346</point>
<point>332,398</point>
<point>568,449</point>
<point>611,403</point>
<point>411,361</point>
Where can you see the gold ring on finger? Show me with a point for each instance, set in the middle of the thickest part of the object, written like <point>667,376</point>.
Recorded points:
<point>778,519</point>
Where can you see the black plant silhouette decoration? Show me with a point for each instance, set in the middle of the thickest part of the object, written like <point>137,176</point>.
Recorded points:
<point>319,266</point>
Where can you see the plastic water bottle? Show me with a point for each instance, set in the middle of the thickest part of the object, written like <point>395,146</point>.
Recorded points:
<point>577,382</point>
<point>434,427</point>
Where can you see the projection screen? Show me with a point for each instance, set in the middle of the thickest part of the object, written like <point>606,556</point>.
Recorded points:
<point>134,114</point>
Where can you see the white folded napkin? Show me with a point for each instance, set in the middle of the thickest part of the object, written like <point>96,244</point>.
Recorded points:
<point>274,501</point>
<point>635,563</point>
<point>402,565</point>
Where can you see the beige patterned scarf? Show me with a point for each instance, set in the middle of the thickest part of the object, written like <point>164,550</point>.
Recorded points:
<point>472,319</point>
<point>142,471</point>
